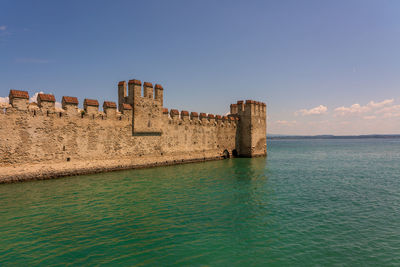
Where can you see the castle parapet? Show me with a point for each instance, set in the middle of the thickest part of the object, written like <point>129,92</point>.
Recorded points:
<point>234,108</point>
<point>249,107</point>
<point>211,118</point>
<point>134,90</point>
<point>218,118</point>
<point>174,113</point>
<point>203,117</point>
<point>264,108</point>
<point>46,102</point>
<point>126,109</point>
<point>122,96</point>
<point>19,99</point>
<point>91,106</point>
<point>159,92</point>
<point>240,106</point>
<point>70,104</point>
<point>110,109</point>
<point>194,115</point>
<point>184,115</point>
<point>147,90</point>
<point>254,108</point>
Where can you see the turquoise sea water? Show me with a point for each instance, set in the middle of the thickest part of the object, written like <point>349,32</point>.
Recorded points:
<point>311,203</point>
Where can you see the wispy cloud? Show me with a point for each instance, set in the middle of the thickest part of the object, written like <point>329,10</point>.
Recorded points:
<point>3,102</point>
<point>381,104</point>
<point>321,109</point>
<point>394,108</point>
<point>3,27</point>
<point>391,115</point>
<point>34,97</point>
<point>358,109</point>
<point>31,60</point>
<point>283,122</point>
<point>355,108</point>
<point>374,117</point>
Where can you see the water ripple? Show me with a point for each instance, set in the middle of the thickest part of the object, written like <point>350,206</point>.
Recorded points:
<point>313,203</point>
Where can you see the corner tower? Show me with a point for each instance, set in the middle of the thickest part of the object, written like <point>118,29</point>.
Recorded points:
<point>147,108</point>
<point>251,137</point>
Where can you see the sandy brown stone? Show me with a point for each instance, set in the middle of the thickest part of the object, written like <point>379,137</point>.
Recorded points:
<point>41,143</point>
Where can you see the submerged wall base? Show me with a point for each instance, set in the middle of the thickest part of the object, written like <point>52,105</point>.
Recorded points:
<point>41,171</point>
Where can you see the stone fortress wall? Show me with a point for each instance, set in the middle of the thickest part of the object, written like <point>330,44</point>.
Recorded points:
<point>137,132</point>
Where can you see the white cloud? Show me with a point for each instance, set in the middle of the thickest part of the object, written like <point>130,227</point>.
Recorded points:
<point>391,115</point>
<point>321,109</point>
<point>358,109</point>
<point>3,27</point>
<point>395,108</point>
<point>355,108</point>
<point>381,104</point>
<point>4,99</point>
<point>3,102</point>
<point>374,117</point>
<point>34,97</point>
<point>369,117</point>
<point>58,107</point>
<point>283,122</point>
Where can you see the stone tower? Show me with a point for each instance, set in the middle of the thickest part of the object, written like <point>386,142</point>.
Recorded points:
<point>147,109</point>
<point>252,129</point>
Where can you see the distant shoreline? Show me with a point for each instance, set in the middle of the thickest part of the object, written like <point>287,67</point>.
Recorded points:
<point>371,136</point>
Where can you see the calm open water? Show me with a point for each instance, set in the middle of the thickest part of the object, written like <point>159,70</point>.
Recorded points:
<point>312,203</point>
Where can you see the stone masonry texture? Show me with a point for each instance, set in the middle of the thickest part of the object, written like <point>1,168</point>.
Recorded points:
<point>44,142</point>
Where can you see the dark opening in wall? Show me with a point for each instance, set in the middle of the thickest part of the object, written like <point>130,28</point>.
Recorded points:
<point>234,153</point>
<point>47,113</point>
<point>63,148</point>
<point>226,155</point>
<point>60,114</point>
<point>68,159</point>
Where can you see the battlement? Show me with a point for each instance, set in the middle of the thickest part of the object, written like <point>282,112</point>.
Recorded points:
<point>193,117</point>
<point>19,99</point>
<point>137,92</point>
<point>145,109</point>
<point>147,103</point>
<point>250,107</point>
<point>252,131</point>
<point>137,129</point>
<point>45,105</point>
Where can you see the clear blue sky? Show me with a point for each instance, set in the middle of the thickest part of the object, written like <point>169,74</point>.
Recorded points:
<point>294,55</point>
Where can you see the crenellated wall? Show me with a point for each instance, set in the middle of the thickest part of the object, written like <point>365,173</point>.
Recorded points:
<point>140,131</point>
